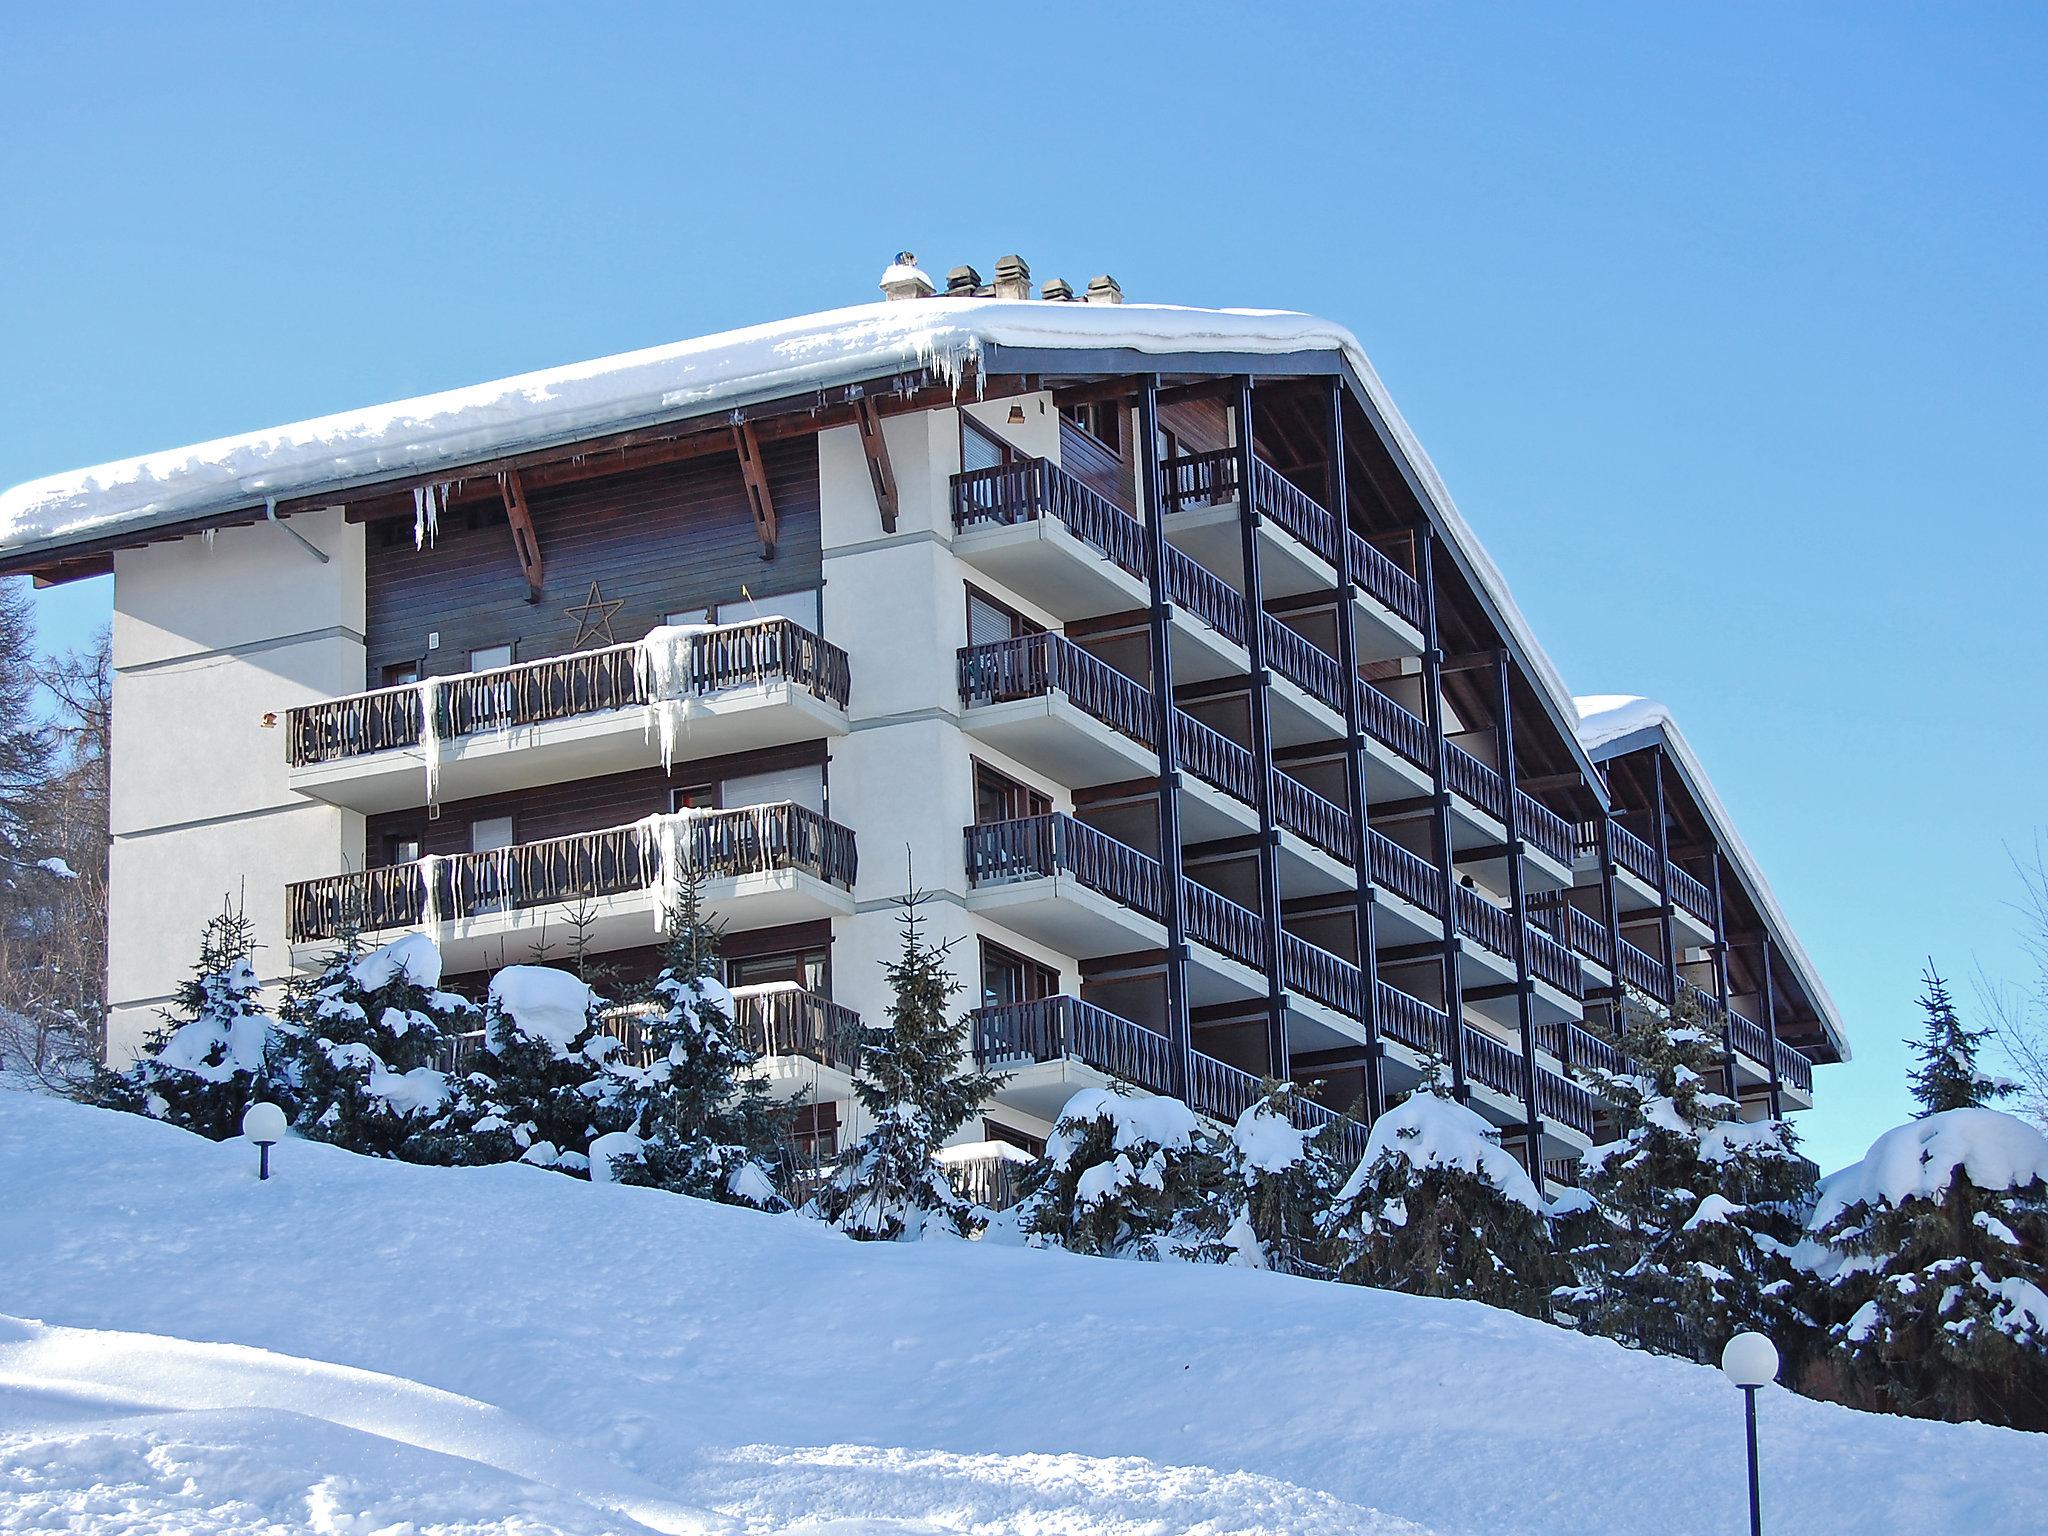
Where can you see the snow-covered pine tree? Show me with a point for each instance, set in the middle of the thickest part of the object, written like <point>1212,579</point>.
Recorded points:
<point>1946,1075</point>
<point>539,1091</point>
<point>1437,1207</point>
<point>1129,1176</point>
<point>1278,1182</point>
<point>217,1050</point>
<point>367,1036</point>
<point>1680,1234</point>
<point>916,1095</point>
<point>1934,1250</point>
<point>701,1123</point>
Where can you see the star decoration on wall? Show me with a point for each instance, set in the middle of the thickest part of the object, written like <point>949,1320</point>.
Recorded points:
<point>593,618</point>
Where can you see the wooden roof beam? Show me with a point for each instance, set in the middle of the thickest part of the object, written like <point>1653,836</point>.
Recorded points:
<point>759,500</point>
<point>880,471</point>
<point>525,539</point>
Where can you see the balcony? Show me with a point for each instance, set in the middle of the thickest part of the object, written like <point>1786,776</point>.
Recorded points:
<point>1636,885</point>
<point>807,1044</point>
<point>761,866</point>
<point>1039,1045</point>
<point>694,692</point>
<point>1298,549</point>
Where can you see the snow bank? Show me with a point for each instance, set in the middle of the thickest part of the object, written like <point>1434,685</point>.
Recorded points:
<point>1429,1131</point>
<point>1605,718</point>
<point>1918,1159</point>
<point>418,1341</point>
<point>543,1003</point>
<point>415,957</point>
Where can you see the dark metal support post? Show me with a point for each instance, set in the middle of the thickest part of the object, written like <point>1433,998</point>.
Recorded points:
<point>1663,847</point>
<point>1770,1002</point>
<point>1446,852</point>
<point>1721,980</point>
<point>1367,908</point>
<point>1172,899</point>
<point>1756,1507</point>
<point>1260,701</point>
<point>1610,892</point>
<point>1518,900</point>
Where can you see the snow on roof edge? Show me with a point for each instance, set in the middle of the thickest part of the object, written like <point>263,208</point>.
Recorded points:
<point>1609,718</point>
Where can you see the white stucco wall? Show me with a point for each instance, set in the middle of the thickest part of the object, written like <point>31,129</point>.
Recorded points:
<point>211,636</point>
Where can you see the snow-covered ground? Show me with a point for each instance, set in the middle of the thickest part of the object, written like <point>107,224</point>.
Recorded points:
<point>360,1346</point>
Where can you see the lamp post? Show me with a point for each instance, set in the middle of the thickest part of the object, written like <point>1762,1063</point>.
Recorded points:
<point>263,1123</point>
<point>1751,1361</point>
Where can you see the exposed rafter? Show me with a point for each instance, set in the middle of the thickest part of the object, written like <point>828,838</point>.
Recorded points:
<point>525,540</point>
<point>876,448</point>
<point>762,504</point>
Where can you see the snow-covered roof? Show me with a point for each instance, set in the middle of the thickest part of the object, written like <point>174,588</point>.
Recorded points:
<point>1613,723</point>
<point>444,432</point>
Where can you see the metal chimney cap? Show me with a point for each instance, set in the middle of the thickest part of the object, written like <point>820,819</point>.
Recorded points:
<point>903,279</point>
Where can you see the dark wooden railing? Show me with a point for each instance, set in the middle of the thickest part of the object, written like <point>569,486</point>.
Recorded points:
<point>1490,925</point>
<point>1693,895</point>
<point>1408,875</point>
<point>1577,1046</point>
<point>1330,979</point>
<point>1037,847</point>
<point>1641,971</point>
<point>1207,596</point>
<point>1302,662</point>
<point>1034,488</point>
<point>1467,776</point>
<point>1222,924</point>
<point>1277,497</point>
<point>1054,1028</point>
<point>1559,1098</point>
<point>1554,963</point>
<point>1223,1092</point>
<point>1543,827</point>
<point>615,861</point>
<point>1750,1038</point>
<point>1215,759</point>
<point>1493,1063</point>
<point>1383,579</point>
<point>1554,913</point>
<point>786,1021</point>
<point>1308,815</point>
<point>1796,1068</point>
<point>1200,479</point>
<point>1635,855</point>
<point>564,688</point>
<point>1413,1022</point>
<point>1562,1170</point>
<point>1031,666</point>
<point>1392,726</point>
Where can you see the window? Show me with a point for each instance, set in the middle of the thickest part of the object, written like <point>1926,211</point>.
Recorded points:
<point>1101,420</point>
<point>495,881</point>
<point>804,785</point>
<point>981,448</point>
<point>692,797</point>
<point>803,967</point>
<point>1007,977</point>
<point>998,797</point>
<point>688,616</point>
<point>995,1130</point>
<point>400,674</point>
<point>800,607</point>
<point>490,657</point>
<point>989,620</point>
<point>401,848</point>
<point>487,834</point>
<point>816,1131</point>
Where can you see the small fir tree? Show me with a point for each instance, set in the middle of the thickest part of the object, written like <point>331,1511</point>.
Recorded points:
<point>1279,1182</point>
<point>217,1051</point>
<point>701,1122</point>
<point>1129,1176</point>
<point>368,1036</point>
<point>1946,1075</point>
<point>917,1097</point>
<point>1680,1235</point>
<point>1437,1207</point>
<point>540,1090</point>
<point>1934,1254</point>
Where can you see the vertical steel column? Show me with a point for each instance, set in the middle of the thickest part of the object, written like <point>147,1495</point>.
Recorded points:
<point>1770,1001</point>
<point>1518,900</point>
<point>1663,847</point>
<point>1261,706</point>
<point>1171,897</point>
<point>1433,705</point>
<point>1721,979</point>
<point>1367,909</point>
<point>1610,891</point>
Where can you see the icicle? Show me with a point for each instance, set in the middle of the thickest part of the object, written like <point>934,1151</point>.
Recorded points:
<point>428,503</point>
<point>429,867</point>
<point>430,734</point>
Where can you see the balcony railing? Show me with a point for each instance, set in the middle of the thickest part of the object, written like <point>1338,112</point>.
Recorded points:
<point>1330,979</point>
<point>1550,961</point>
<point>1694,895</point>
<point>1031,666</point>
<point>1643,971</point>
<point>1215,759</point>
<point>1587,935</point>
<point>1543,827</point>
<point>1207,596</point>
<point>1039,847</point>
<point>1499,1067</point>
<point>1795,1068</point>
<point>1033,488</point>
<point>1385,580</point>
<point>1222,924</point>
<point>1405,734</point>
<point>1634,855</point>
<point>1302,663</point>
<point>780,1020</point>
<point>667,665</point>
<point>1408,875</point>
<point>1468,776</point>
<point>1053,1028</point>
<point>585,865</point>
<point>1578,1047</point>
<point>1224,1092</point>
<point>1309,816</point>
<point>1482,920</point>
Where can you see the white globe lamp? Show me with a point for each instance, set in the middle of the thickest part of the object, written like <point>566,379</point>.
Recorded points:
<point>263,1123</point>
<point>1751,1361</point>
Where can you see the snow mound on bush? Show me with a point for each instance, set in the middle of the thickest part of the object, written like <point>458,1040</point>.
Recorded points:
<point>543,1003</point>
<point>1918,1159</point>
<point>415,957</point>
<point>1141,1123</point>
<point>1429,1131</point>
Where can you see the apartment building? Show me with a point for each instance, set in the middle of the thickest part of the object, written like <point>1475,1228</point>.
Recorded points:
<point>1145,640</point>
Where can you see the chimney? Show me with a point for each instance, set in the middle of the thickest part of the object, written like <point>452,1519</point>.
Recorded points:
<point>903,280</point>
<point>1105,290</point>
<point>1059,290</point>
<point>1013,278</point>
<point>963,283</point>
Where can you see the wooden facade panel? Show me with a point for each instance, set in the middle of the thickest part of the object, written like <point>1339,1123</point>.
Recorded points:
<point>583,805</point>
<point>664,540</point>
<point>1096,465</point>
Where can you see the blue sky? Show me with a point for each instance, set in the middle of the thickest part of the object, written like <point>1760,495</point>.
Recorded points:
<point>1725,324</point>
